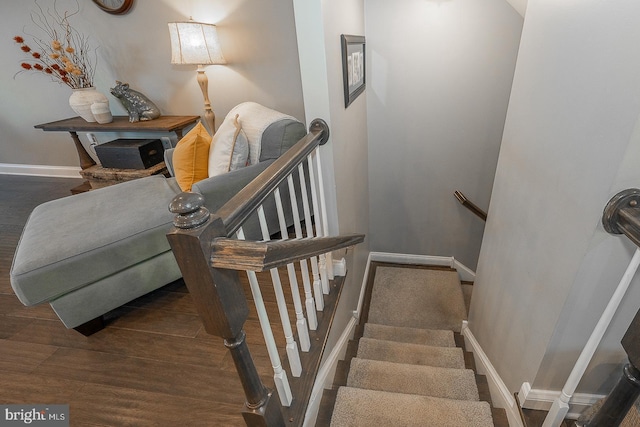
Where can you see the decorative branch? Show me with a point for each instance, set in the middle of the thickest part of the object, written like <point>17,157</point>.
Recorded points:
<point>62,51</point>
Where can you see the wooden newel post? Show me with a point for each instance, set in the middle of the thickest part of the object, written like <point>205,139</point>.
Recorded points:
<point>219,299</point>
<point>619,401</point>
<point>627,390</point>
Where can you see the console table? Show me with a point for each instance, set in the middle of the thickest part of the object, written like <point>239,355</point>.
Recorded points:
<point>74,125</point>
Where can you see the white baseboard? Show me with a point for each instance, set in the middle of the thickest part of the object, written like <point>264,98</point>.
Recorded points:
<point>40,170</point>
<point>500,394</point>
<point>411,259</point>
<point>339,267</point>
<point>464,272</point>
<point>327,371</point>
<point>363,287</point>
<point>543,399</point>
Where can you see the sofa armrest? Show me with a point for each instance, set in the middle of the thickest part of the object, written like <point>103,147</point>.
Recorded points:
<point>219,189</point>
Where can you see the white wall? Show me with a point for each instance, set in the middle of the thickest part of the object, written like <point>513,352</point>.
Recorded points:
<point>439,78</point>
<point>258,39</point>
<point>547,268</point>
<point>519,5</point>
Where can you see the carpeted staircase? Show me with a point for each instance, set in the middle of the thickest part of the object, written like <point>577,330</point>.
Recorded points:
<point>407,369</point>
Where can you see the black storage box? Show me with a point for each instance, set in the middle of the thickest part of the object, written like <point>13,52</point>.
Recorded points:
<point>130,153</point>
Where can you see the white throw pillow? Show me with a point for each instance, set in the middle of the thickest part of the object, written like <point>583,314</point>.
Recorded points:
<point>229,148</point>
<point>257,120</point>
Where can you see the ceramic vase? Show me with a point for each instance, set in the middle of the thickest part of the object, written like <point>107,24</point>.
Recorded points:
<point>101,112</point>
<point>81,100</point>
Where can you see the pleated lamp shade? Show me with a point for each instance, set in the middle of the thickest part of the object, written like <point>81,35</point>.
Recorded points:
<point>195,43</point>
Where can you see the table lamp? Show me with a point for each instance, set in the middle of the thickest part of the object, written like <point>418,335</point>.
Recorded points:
<point>197,43</point>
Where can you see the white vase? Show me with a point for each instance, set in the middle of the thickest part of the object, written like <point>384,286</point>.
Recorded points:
<point>101,112</point>
<point>81,99</point>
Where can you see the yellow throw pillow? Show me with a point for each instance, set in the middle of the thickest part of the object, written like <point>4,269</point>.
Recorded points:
<point>191,157</point>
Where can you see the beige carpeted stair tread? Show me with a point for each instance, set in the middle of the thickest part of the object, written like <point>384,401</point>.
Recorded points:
<point>632,419</point>
<point>365,408</point>
<point>435,337</point>
<point>417,298</point>
<point>397,352</point>
<point>413,379</point>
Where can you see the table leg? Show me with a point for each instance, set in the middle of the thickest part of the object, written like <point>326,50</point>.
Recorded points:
<point>85,159</point>
<point>85,162</point>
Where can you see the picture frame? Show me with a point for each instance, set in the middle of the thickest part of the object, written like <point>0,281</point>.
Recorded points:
<point>353,67</point>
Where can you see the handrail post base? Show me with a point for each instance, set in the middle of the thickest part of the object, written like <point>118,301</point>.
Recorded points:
<point>267,415</point>
<point>618,402</point>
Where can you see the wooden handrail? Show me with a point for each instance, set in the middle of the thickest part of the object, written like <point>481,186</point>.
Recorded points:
<point>210,259</point>
<point>247,200</point>
<point>262,256</point>
<point>470,205</point>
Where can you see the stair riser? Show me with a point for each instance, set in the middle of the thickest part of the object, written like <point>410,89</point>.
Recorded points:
<point>439,338</point>
<point>389,351</point>
<point>421,380</point>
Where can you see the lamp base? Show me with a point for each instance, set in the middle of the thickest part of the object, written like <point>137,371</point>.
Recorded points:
<point>209,116</point>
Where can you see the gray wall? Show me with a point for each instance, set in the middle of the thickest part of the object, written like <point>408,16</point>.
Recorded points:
<point>258,38</point>
<point>345,156</point>
<point>547,268</point>
<point>438,86</point>
<point>349,144</point>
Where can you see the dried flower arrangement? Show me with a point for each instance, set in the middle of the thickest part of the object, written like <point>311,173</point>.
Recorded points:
<point>62,52</point>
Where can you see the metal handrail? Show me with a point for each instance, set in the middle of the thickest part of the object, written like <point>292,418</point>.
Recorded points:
<point>621,216</point>
<point>470,205</point>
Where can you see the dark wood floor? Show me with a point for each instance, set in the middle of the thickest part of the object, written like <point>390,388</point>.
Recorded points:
<point>153,365</point>
<point>535,418</point>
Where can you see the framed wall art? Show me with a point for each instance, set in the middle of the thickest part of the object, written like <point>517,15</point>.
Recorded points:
<point>353,67</point>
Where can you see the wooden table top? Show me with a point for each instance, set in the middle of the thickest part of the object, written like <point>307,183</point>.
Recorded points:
<point>121,124</point>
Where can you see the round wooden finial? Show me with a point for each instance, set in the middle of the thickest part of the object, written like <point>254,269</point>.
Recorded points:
<point>189,209</point>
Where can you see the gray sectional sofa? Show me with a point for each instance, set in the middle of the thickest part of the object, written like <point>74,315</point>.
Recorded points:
<point>90,253</point>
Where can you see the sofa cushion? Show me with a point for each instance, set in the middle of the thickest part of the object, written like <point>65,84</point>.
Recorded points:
<point>229,148</point>
<point>71,242</point>
<point>279,136</point>
<point>191,157</point>
<point>256,119</point>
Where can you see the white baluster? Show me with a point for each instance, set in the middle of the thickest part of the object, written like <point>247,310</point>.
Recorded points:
<point>301,322</point>
<point>317,285</point>
<point>318,223</point>
<point>308,302</point>
<point>323,212</point>
<point>292,346</point>
<point>560,405</point>
<point>279,375</point>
